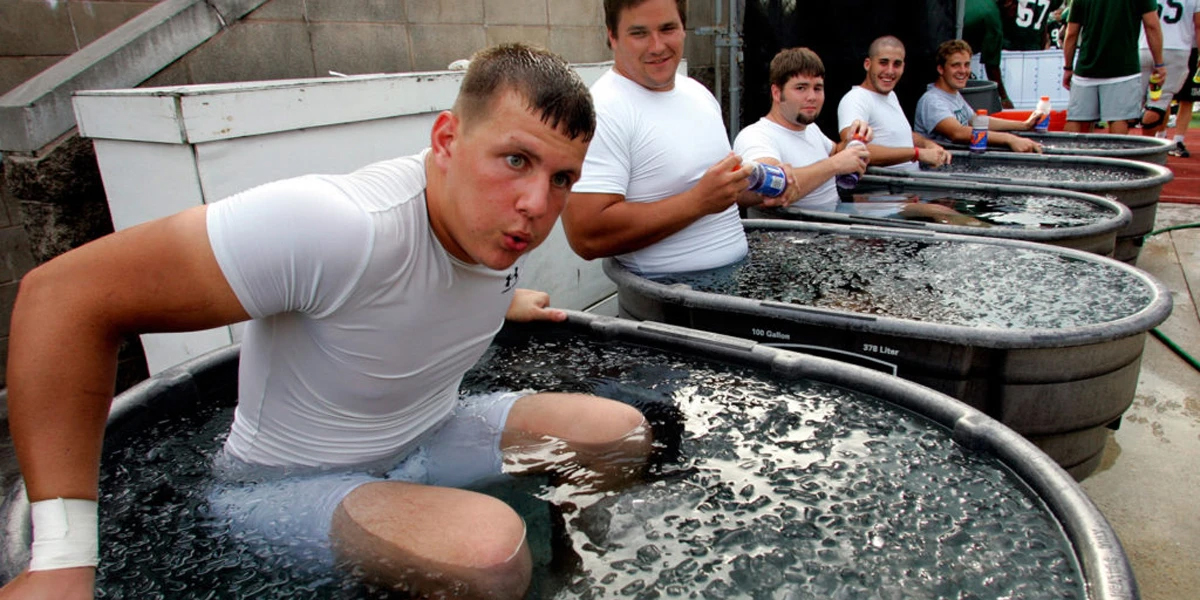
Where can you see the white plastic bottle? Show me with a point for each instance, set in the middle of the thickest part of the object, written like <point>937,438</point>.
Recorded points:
<point>1043,106</point>
<point>979,132</point>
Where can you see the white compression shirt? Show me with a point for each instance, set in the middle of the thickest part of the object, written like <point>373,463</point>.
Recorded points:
<point>883,114</point>
<point>651,145</point>
<point>768,139</point>
<point>363,323</point>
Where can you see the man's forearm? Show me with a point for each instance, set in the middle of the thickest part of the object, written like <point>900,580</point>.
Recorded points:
<point>807,178</point>
<point>921,141</point>
<point>1000,138</point>
<point>1069,41</point>
<point>999,124</point>
<point>624,226</point>
<point>60,388</point>
<point>883,156</point>
<point>813,176</point>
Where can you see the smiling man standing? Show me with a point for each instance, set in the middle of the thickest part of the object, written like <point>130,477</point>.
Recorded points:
<point>660,187</point>
<point>875,102</point>
<point>944,116</point>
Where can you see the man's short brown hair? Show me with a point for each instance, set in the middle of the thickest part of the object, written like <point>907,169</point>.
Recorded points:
<point>949,48</point>
<point>791,62</point>
<point>613,8</point>
<point>550,87</point>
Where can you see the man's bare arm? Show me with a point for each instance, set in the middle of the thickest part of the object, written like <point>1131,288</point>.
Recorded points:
<point>881,156</point>
<point>69,316</point>
<point>961,134</point>
<point>924,151</point>
<point>1069,41</point>
<point>808,178</point>
<point>600,225</point>
<point>1001,124</point>
<point>1154,39</point>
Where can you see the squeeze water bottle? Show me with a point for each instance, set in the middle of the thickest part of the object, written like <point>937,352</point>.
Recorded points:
<point>1155,87</point>
<point>1196,76</point>
<point>848,181</point>
<point>1043,106</point>
<point>768,180</point>
<point>979,132</point>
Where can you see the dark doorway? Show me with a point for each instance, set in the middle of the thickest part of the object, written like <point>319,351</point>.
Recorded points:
<point>840,31</point>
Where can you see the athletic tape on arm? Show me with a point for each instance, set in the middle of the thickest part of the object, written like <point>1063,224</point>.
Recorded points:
<point>64,534</point>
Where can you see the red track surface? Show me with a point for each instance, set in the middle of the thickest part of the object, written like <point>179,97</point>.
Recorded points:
<point>1185,188</point>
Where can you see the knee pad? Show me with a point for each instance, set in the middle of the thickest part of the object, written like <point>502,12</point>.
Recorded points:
<point>1155,111</point>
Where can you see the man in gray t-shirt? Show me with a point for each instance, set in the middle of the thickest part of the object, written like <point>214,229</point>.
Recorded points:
<point>944,116</point>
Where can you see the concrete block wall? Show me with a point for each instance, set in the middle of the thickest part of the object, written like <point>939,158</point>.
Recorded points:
<point>49,204</point>
<point>35,34</point>
<point>286,39</point>
<point>14,247</point>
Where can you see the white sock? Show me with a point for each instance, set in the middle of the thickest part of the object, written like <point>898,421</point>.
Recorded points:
<point>1178,139</point>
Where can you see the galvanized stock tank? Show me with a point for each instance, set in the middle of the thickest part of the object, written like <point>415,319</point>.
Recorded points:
<point>1137,185</point>
<point>1047,340</point>
<point>774,473</point>
<point>1106,145</point>
<point>1059,217</point>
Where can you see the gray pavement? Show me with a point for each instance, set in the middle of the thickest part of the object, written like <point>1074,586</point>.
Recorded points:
<point>1148,485</point>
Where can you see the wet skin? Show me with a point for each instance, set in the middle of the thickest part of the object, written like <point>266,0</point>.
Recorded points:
<point>500,182</point>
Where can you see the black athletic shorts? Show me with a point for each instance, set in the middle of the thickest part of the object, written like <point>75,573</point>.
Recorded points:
<point>1190,90</point>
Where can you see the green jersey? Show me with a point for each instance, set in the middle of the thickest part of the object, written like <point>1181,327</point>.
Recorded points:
<point>983,29</point>
<point>1026,30</point>
<point>1108,36</point>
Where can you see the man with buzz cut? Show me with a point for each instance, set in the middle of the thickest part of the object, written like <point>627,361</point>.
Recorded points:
<point>368,296</point>
<point>661,187</point>
<point>788,137</point>
<point>944,116</point>
<point>874,102</point>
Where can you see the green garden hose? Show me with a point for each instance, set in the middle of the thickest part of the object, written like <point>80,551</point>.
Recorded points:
<point>1158,334</point>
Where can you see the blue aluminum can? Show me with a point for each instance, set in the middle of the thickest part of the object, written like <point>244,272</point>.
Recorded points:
<point>768,180</point>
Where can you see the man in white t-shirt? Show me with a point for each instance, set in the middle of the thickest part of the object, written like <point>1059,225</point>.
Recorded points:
<point>1180,22</point>
<point>369,295</point>
<point>944,116</point>
<point>874,102</point>
<point>660,187</point>
<point>788,137</point>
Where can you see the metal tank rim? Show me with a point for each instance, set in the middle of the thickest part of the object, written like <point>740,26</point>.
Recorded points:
<point>1153,174</point>
<point>1105,567</point>
<point>1150,150</point>
<point>1121,218</point>
<point>1154,313</point>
